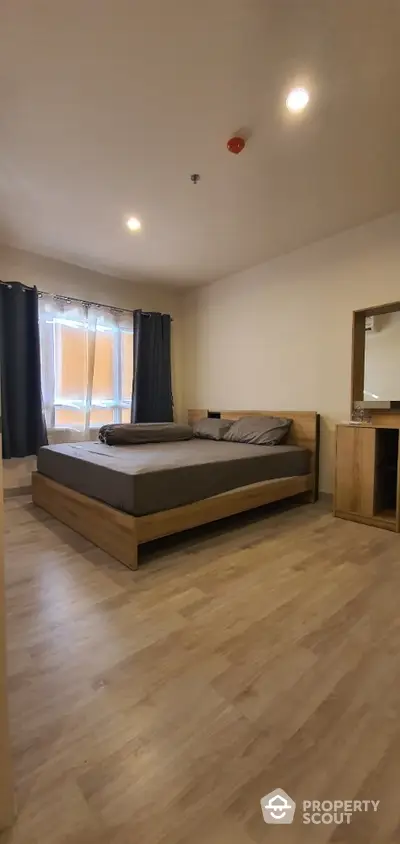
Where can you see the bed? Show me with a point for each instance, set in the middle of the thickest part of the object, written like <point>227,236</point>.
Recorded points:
<point>121,496</point>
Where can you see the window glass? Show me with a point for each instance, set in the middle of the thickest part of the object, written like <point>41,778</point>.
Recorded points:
<point>86,364</point>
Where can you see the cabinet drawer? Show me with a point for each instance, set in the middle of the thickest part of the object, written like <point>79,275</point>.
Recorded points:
<point>355,470</point>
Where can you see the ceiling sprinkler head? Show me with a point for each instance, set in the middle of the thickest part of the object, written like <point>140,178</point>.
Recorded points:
<point>195,178</point>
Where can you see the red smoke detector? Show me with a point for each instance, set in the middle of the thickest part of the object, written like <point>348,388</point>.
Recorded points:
<point>236,144</point>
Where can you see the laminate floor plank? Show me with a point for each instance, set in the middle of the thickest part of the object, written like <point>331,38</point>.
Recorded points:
<point>158,706</point>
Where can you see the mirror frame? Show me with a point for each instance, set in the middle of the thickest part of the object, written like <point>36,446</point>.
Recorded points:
<point>358,349</point>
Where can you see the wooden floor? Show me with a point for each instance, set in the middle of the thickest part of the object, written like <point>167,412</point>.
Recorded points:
<point>159,706</point>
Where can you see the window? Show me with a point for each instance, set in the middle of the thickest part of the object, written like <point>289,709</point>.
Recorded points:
<point>86,363</point>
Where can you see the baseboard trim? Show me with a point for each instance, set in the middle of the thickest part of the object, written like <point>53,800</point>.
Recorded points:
<point>14,491</point>
<point>326,497</point>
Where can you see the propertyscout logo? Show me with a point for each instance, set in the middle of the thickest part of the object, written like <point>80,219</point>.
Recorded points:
<point>278,807</point>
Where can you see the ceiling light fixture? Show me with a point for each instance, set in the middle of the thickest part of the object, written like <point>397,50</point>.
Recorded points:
<point>297,100</point>
<point>133,224</point>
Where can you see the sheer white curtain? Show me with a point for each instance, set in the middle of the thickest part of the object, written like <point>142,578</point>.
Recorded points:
<point>87,367</point>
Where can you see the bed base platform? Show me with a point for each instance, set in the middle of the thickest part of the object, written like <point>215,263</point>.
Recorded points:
<point>120,534</point>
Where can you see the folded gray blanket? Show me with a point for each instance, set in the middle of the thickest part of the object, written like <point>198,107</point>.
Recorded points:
<point>144,432</point>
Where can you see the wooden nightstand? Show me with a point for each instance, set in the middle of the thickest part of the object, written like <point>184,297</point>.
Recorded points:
<point>367,475</point>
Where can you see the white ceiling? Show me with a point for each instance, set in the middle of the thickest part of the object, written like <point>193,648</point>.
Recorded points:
<point>108,106</point>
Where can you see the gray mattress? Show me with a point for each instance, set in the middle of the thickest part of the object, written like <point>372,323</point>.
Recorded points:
<point>143,479</point>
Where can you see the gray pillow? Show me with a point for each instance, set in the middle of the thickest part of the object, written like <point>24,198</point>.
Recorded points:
<point>258,430</point>
<point>136,433</point>
<point>211,429</point>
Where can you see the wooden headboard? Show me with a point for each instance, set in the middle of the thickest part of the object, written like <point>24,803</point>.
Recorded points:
<point>304,430</point>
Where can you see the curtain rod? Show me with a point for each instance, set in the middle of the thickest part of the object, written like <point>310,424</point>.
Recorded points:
<point>74,299</point>
<point>83,302</point>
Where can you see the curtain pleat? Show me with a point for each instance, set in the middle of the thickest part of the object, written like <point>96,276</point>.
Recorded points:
<point>152,389</point>
<point>23,424</point>
<point>91,322</point>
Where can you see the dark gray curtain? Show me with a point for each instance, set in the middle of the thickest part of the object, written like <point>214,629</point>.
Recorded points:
<point>152,387</point>
<point>24,429</point>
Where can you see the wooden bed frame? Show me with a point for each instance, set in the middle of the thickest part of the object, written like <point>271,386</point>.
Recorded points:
<point>120,534</point>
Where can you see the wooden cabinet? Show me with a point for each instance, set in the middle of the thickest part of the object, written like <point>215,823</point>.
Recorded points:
<point>367,474</point>
<point>355,466</point>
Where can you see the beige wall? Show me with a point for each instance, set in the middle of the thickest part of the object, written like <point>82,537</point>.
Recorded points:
<point>69,280</point>
<point>382,358</point>
<point>279,335</point>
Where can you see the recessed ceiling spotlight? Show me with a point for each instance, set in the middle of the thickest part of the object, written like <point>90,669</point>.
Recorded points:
<point>297,99</point>
<point>133,224</point>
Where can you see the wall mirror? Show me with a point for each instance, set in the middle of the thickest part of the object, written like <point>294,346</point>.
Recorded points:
<point>376,358</point>
<point>382,357</point>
